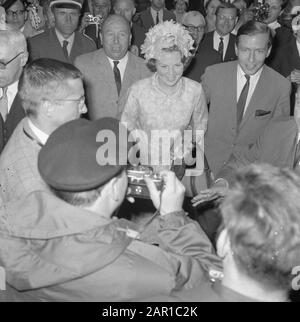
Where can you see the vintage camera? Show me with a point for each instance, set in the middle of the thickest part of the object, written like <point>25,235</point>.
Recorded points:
<point>137,184</point>
<point>98,20</point>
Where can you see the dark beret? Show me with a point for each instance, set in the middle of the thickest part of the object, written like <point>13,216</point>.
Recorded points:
<point>82,155</point>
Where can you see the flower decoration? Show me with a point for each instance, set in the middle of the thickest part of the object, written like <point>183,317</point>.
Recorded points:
<point>166,35</point>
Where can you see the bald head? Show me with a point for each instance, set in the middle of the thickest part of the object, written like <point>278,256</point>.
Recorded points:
<point>13,39</point>
<point>13,49</point>
<point>116,37</point>
<point>116,20</point>
<point>125,8</point>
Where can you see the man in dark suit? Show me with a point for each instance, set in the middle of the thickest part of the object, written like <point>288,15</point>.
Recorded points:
<point>155,14</point>
<point>13,57</point>
<point>221,41</point>
<point>62,42</point>
<point>109,72</point>
<point>194,22</point>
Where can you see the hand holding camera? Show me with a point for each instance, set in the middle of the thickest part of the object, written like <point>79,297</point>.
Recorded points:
<point>170,198</point>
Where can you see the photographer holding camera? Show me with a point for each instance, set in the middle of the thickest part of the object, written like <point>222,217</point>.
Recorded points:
<point>110,259</point>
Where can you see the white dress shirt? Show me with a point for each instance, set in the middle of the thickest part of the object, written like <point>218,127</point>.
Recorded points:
<point>42,136</point>
<point>11,93</point>
<point>122,65</point>
<point>61,39</point>
<point>217,42</point>
<point>241,81</point>
<point>154,14</point>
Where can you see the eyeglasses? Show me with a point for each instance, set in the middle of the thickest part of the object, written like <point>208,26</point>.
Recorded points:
<point>11,13</point>
<point>194,28</point>
<point>230,18</point>
<point>80,100</point>
<point>4,65</point>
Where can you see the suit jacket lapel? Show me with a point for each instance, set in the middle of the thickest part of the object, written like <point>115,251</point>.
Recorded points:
<point>294,55</point>
<point>258,93</point>
<point>230,52</point>
<point>75,48</point>
<point>57,46</point>
<point>108,72</point>
<point>128,75</point>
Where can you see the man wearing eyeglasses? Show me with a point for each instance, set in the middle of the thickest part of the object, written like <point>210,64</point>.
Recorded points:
<point>194,22</point>
<point>13,57</point>
<point>62,42</point>
<point>52,94</point>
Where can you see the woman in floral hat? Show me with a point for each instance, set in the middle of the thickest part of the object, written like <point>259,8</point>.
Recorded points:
<point>166,104</point>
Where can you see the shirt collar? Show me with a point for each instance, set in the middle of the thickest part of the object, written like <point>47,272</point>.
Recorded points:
<point>42,136</point>
<point>273,25</point>
<point>61,37</point>
<point>153,12</point>
<point>12,89</point>
<point>219,36</point>
<point>241,73</point>
<point>122,61</point>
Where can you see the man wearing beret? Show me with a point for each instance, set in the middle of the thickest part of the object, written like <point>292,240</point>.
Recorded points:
<point>62,42</point>
<point>110,261</point>
<point>51,93</point>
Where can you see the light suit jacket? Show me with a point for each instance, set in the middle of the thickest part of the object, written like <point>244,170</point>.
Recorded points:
<point>100,86</point>
<point>270,99</point>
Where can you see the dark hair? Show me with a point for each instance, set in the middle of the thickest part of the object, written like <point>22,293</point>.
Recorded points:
<point>79,199</point>
<point>251,28</point>
<point>226,5</point>
<point>7,4</point>
<point>41,79</point>
<point>261,214</point>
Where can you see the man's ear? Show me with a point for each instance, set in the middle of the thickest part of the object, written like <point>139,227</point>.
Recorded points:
<point>48,108</point>
<point>24,58</point>
<point>269,51</point>
<point>133,12</point>
<point>114,189</point>
<point>223,244</point>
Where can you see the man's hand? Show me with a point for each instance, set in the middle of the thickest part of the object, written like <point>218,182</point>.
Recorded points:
<point>170,199</point>
<point>218,190</point>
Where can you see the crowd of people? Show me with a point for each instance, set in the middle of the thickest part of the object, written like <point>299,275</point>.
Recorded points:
<point>203,95</point>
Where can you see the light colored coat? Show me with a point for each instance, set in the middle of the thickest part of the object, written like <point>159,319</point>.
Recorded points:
<point>270,99</point>
<point>101,91</point>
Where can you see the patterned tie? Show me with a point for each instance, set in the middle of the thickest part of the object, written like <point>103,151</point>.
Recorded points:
<point>117,76</point>
<point>157,18</point>
<point>242,101</point>
<point>4,104</point>
<point>221,47</point>
<point>65,49</point>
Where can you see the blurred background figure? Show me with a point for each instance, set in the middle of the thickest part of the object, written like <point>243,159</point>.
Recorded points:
<point>19,17</point>
<point>181,7</point>
<point>259,241</point>
<point>210,9</point>
<point>100,9</point>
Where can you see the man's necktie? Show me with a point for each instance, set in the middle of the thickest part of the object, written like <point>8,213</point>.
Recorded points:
<point>157,18</point>
<point>117,76</point>
<point>65,48</point>
<point>221,47</point>
<point>242,101</point>
<point>4,104</point>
